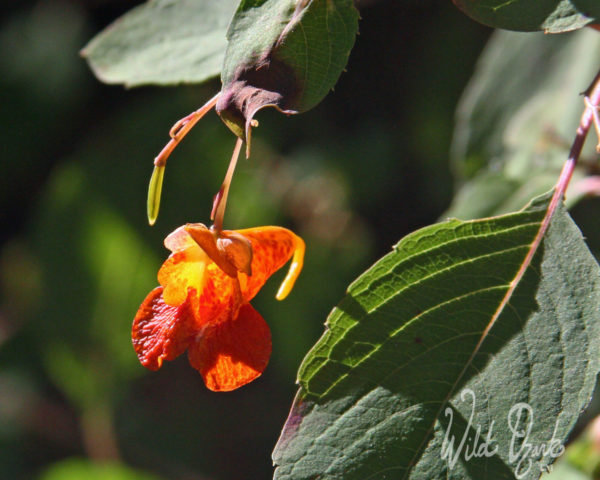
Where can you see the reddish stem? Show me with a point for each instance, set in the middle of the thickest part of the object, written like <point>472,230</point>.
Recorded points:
<point>592,102</point>
<point>220,201</point>
<point>590,114</point>
<point>181,128</point>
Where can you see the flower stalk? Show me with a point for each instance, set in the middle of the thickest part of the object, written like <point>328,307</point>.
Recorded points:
<point>177,133</point>
<point>220,201</point>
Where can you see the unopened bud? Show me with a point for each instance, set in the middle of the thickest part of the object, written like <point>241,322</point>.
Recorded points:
<point>154,193</point>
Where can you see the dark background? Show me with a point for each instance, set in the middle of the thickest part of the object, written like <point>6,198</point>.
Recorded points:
<point>367,166</point>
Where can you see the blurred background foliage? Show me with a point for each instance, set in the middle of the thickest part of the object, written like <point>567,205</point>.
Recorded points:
<point>367,166</point>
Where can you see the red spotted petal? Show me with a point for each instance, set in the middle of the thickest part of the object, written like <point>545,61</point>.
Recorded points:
<point>160,331</point>
<point>272,247</point>
<point>220,299</point>
<point>232,353</point>
<point>219,295</point>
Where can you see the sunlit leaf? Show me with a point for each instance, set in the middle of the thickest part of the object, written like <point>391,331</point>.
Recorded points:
<point>399,354</point>
<point>163,42</point>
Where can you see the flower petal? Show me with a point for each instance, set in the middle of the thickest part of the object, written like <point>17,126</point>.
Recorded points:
<point>206,239</point>
<point>232,353</point>
<point>182,270</point>
<point>220,299</point>
<point>272,247</point>
<point>179,240</point>
<point>237,250</point>
<point>160,331</point>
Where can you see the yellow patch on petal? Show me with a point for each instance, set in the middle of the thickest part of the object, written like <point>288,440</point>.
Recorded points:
<point>181,271</point>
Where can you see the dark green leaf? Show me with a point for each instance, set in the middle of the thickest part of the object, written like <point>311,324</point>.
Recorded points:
<point>396,360</point>
<point>550,16</point>
<point>163,42</point>
<point>283,53</point>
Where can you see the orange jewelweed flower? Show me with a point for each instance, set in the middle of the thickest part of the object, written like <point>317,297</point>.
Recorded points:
<point>202,305</point>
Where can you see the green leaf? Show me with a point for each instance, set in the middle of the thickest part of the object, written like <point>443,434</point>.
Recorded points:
<point>163,42</point>
<point>283,53</point>
<point>399,355</point>
<point>550,16</point>
<point>517,119</point>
